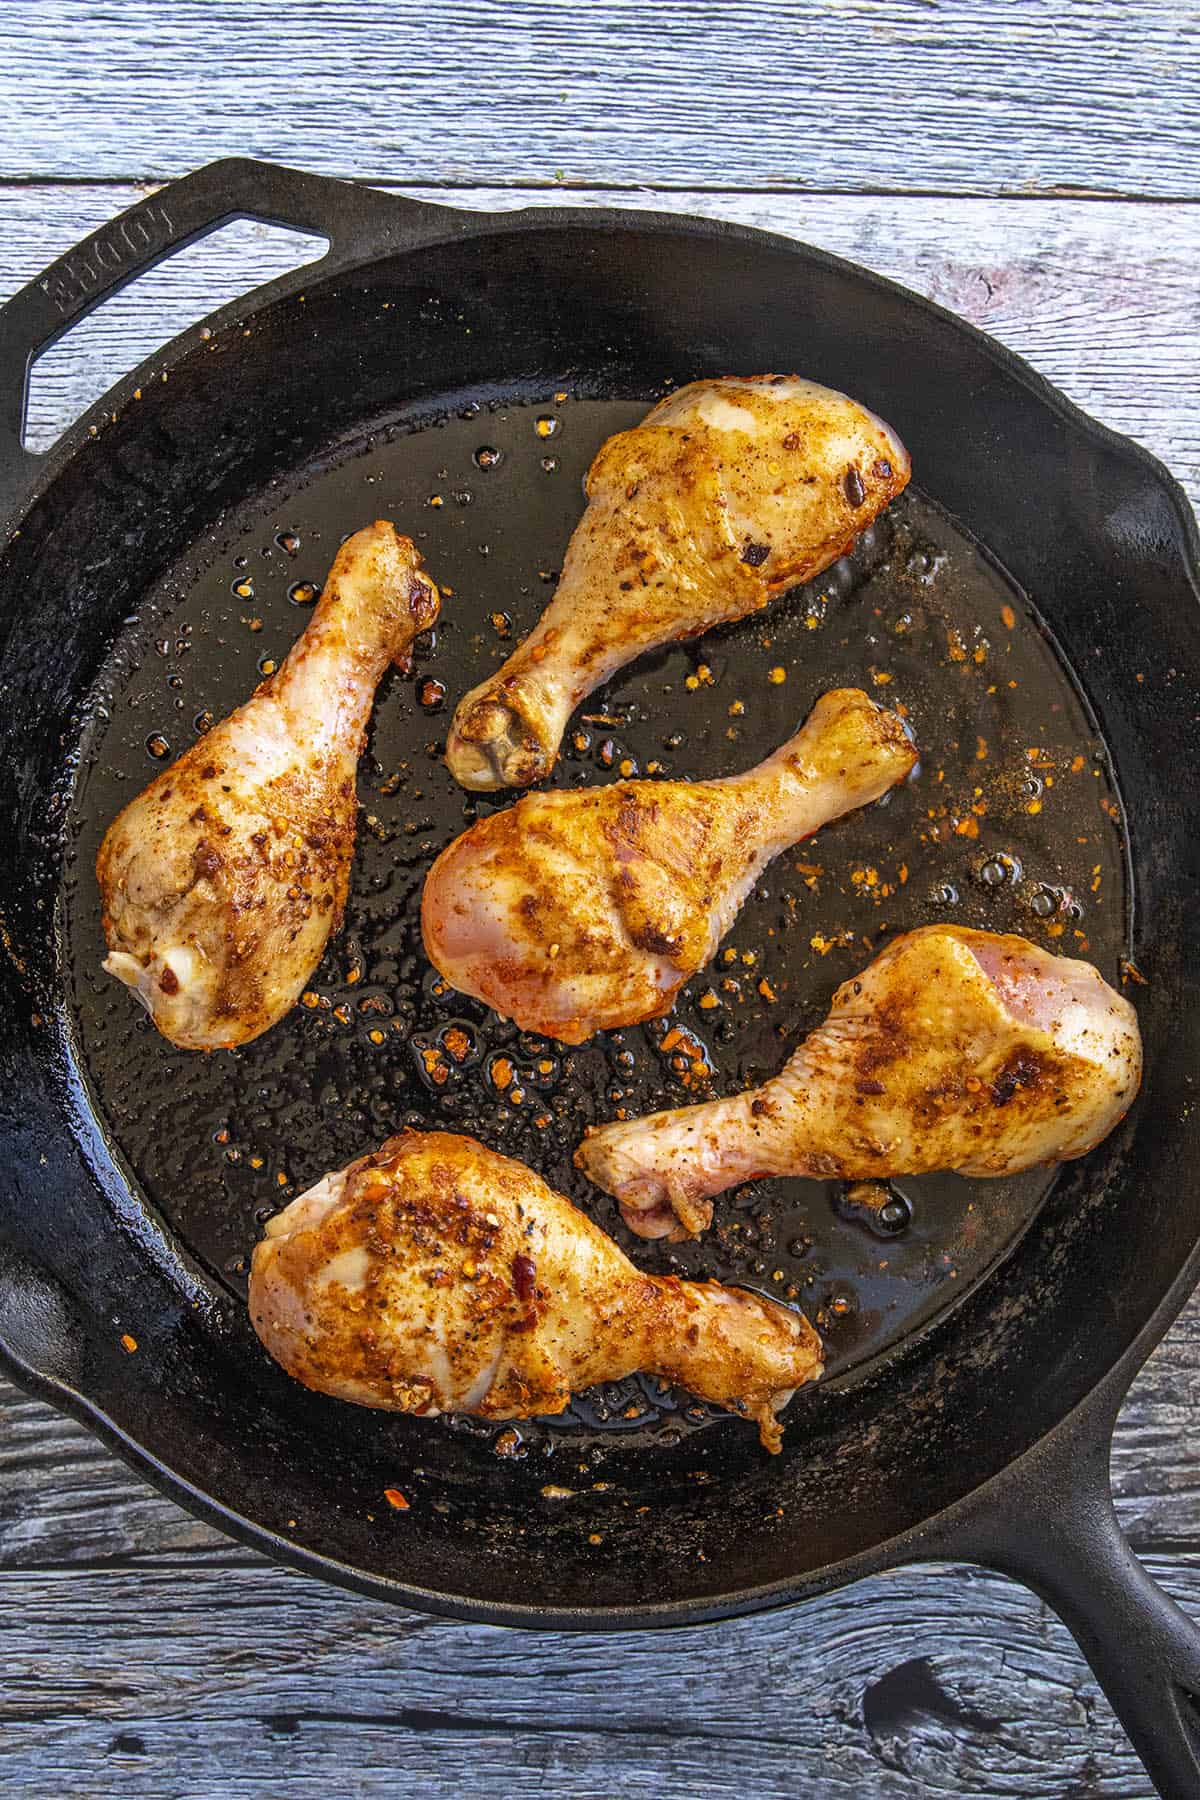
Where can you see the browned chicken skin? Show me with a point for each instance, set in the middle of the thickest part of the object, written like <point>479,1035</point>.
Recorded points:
<point>728,493</point>
<point>574,912</point>
<point>954,1049</point>
<point>223,880</point>
<point>437,1276</point>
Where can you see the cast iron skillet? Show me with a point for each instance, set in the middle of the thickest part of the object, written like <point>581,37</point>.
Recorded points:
<point>980,1433</point>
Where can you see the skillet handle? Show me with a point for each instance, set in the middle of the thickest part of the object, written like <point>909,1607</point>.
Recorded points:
<point>179,214</point>
<point>1050,1523</point>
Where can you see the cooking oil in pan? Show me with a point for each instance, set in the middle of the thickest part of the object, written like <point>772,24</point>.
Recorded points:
<point>1012,825</point>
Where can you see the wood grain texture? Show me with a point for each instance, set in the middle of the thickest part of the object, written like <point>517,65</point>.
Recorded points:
<point>1100,298</point>
<point>201,1680</point>
<point>955,96</point>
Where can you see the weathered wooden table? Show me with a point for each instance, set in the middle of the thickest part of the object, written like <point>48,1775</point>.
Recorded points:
<point>1036,169</point>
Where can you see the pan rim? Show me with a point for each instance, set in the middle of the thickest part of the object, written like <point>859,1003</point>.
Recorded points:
<point>88,428</point>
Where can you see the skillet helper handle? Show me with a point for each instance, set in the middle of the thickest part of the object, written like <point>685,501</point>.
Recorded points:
<point>1051,1525</point>
<point>133,242</point>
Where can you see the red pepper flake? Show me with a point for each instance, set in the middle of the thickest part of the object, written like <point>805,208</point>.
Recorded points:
<point>457,1043</point>
<point>1008,616</point>
<point>688,1057</point>
<point>128,1342</point>
<point>1131,972</point>
<point>502,1073</point>
<point>767,991</point>
<point>395,1498</point>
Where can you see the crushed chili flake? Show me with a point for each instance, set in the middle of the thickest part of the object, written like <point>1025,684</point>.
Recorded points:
<point>395,1498</point>
<point>129,1342</point>
<point>823,945</point>
<point>688,1056</point>
<point>767,991</point>
<point>457,1043</point>
<point>502,1073</point>
<point>1008,616</point>
<point>1131,972</point>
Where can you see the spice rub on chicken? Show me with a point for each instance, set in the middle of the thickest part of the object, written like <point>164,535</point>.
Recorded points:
<point>438,1276</point>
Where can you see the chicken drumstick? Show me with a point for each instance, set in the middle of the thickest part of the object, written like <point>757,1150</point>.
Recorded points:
<point>728,493</point>
<point>954,1049</point>
<point>222,881</point>
<point>437,1276</point>
<point>580,911</point>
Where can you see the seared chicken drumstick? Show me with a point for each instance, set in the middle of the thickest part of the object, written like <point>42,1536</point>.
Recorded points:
<point>436,1276</point>
<point>726,494</point>
<point>222,881</point>
<point>575,912</point>
<point>954,1049</point>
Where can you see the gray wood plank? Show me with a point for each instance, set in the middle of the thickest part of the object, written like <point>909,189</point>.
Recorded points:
<point>1100,298</point>
<point>954,96</point>
<point>258,1682</point>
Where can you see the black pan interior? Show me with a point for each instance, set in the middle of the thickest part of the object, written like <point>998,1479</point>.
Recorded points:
<point>173,559</point>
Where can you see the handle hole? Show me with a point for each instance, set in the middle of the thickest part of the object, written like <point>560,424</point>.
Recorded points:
<point>73,372</point>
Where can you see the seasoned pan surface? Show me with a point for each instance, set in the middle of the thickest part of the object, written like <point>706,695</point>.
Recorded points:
<point>1012,823</point>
